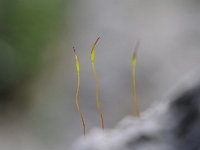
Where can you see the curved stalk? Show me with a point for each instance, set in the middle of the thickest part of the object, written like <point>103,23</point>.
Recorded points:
<point>77,91</point>
<point>96,80</point>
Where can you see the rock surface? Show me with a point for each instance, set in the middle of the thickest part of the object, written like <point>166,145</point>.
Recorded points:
<point>172,124</point>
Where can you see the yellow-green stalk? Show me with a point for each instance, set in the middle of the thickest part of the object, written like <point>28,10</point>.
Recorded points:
<point>96,80</point>
<point>134,62</point>
<point>77,91</point>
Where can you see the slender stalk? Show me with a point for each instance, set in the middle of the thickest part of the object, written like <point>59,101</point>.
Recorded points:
<point>96,80</point>
<point>77,92</point>
<point>134,62</point>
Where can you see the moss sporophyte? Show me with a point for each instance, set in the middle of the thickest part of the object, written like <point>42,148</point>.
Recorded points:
<point>92,56</point>
<point>77,91</point>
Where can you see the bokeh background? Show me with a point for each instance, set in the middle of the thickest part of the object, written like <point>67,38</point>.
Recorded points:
<point>37,72</point>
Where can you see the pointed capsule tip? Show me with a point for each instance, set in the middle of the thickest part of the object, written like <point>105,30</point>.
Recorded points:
<point>74,49</point>
<point>136,47</point>
<point>95,43</point>
<point>93,49</point>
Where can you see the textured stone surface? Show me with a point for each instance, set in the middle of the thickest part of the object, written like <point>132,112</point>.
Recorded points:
<point>172,124</point>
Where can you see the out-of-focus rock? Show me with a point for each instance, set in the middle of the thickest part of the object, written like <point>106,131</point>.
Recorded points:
<point>171,125</point>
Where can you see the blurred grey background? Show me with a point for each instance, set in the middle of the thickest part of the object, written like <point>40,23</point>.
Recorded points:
<point>37,72</point>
